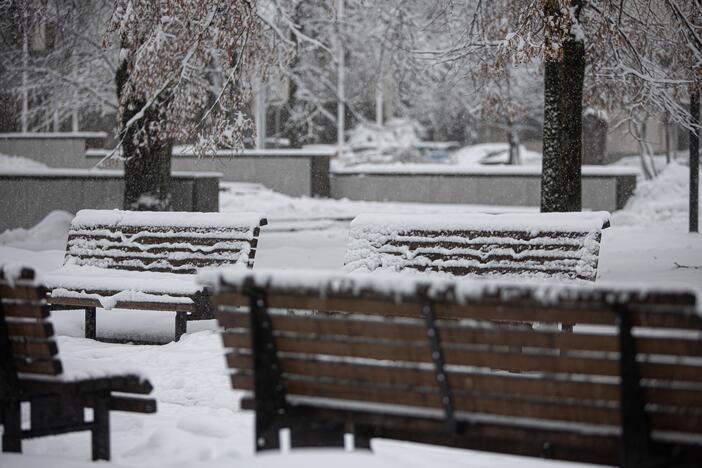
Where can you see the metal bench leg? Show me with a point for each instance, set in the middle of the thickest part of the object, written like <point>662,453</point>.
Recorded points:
<point>181,324</point>
<point>90,323</point>
<point>101,428</point>
<point>311,433</point>
<point>12,424</point>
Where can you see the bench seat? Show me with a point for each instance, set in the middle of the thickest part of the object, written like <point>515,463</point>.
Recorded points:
<point>148,260</point>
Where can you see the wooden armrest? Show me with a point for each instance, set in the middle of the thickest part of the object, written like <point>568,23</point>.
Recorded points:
<point>132,405</point>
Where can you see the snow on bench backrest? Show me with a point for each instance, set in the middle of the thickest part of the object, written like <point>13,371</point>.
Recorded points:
<point>541,245</point>
<point>363,342</point>
<point>173,242</point>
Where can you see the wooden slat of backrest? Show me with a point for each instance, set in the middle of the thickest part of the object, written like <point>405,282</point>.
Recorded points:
<point>654,311</point>
<point>30,293</point>
<point>476,253</point>
<point>28,310</point>
<point>572,412</point>
<point>508,361</point>
<point>34,349</point>
<point>161,249</point>
<point>452,333</point>
<point>30,329</point>
<point>515,385</point>
<point>40,366</point>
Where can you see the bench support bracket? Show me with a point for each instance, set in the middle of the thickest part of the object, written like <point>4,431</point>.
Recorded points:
<point>269,390</point>
<point>90,323</point>
<point>437,357</point>
<point>635,445</point>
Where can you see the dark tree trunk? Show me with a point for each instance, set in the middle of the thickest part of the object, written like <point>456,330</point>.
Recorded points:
<point>562,137</point>
<point>292,129</point>
<point>694,158</point>
<point>515,158</point>
<point>147,164</point>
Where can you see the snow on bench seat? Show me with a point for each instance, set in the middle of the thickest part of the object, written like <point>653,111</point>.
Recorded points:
<point>147,260</point>
<point>563,246</point>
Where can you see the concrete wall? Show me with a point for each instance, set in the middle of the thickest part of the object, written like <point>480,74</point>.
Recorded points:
<point>52,149</point>
<point>600,191</point>
<point>26,197</point>
<point>293,172</point>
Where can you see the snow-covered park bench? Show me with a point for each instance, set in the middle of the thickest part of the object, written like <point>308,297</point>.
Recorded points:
<point>560,246</point>
<point>148,260</point>
<point>455,362</point>
<point>57,390</point>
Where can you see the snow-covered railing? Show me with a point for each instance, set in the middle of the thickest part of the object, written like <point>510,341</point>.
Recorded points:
<point>541,245</point>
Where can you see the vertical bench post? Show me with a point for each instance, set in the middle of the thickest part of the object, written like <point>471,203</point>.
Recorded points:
<point>181,324</point>
<point>101,428</point>
<point>90,323</point>
<point>437,357</point>
<point>635,445</point>
<point>269,391</point>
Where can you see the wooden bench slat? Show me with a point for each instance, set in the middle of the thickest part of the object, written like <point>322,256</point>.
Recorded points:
<point>34,349</point>
<point>451,333</point>
<point>574,412</point>
<point>164,306</point>
<point>528,313</point>
<point>30,329</point>
<point>20,292</point>
<point>35,310</point>
<point>133,405</point>
<point>43,366</point>
<point>529,440</point>
<point>419,353</point>
<point>497,384</point>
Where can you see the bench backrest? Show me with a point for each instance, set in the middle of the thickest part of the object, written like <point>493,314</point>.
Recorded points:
<point>27,345</point>
<point>370,341</point>
<point>172,242</point>
<point>542,245</point>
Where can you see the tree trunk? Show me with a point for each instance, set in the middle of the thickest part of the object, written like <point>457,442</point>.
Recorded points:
<point>147,156</point>
<point>694,158</point>
<point>515,158</point>
<point>562,135</point>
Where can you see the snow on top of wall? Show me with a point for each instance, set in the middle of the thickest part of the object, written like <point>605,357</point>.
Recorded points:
<point>449,169</point>
<point>402,284</point>
<point>91,218</point>
<point>43,171</point>
<point>51,135</point>
<point>531,222</point>
<point>19,163</point>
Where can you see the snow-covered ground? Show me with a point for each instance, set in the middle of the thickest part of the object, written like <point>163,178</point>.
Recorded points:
<point>198,423</point>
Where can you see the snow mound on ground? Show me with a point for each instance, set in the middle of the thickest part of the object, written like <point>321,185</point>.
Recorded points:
<point>493,153</point>
<point>19,162</point>
<point>661,200</point>
<point>50,233</point>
